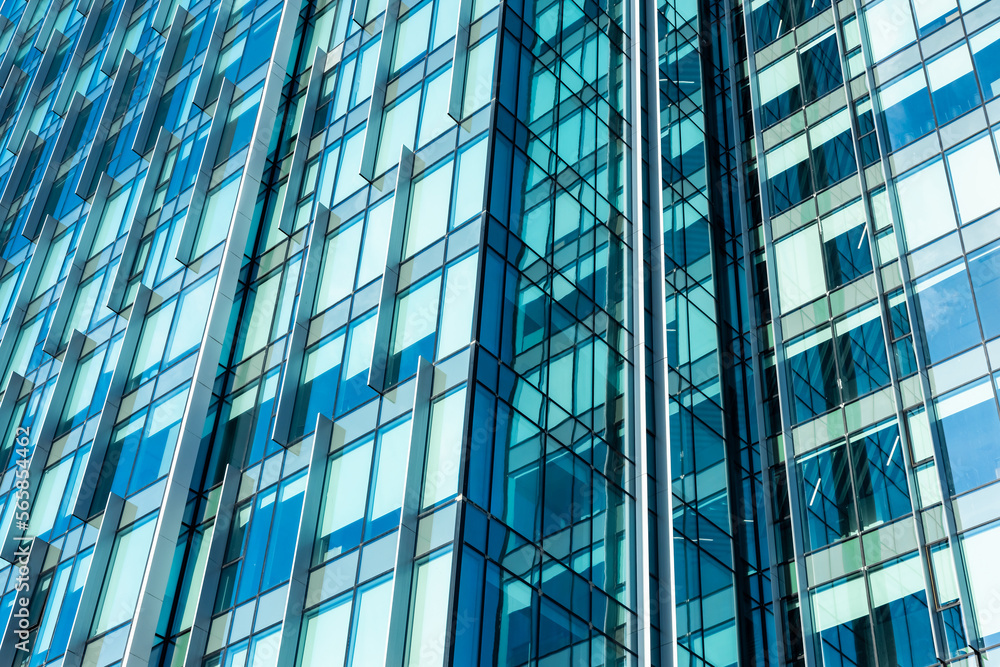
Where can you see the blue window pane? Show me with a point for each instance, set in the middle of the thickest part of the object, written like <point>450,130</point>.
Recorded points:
<point>861,354</point>
<point>880,476</point>
<point>827,497</point>
<point>906,109</point>
<point>813,375</point>
<point>953,84</point>
<point>820,64</point>
<point>969,424</point>
<point>986,52</point>
<point>984,269</point>
<point>848,256</point>
<point>902,626</point>
<point>946,311</point>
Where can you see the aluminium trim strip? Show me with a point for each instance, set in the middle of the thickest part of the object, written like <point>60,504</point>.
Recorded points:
<point>86,35</point>
<point>300,152</point>
<point>459,67</point>
<point>114,46</point>
<point>35,561</point>
<point>312,501</point>
<point>202,93</point>
<point>25,294</point>
<point>137,227</point>
<point>200,626</point>
<point>376,110</point>
<point>390,277</point>
<point>312,267</point>
<point>406,544</point>
<point>31,100</point>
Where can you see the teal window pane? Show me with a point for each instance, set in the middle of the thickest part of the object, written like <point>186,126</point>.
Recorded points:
<point>428,641</point>
<point>984,269</point>
<point>900,611</point>
<point>861,353</point>
<point>947,312</point>
<point>412,34</point>
<point>812,375</point>
<point>414,329</point>
<point>370,632</point>
<point>827,497</point>
<point>340,261</point>
<point>398,129</point>
<point>444,448</point>
<point>123,581</point>
<point>318,387</point>
<point>925,204</point>
<point>459,306</point>
<point>842,623</point>
<point>389,479</point>
<point>428,217</point>
<point>471,182</point>
<point>345,500</point>
<point>879,464</point>
<point>324,637</point>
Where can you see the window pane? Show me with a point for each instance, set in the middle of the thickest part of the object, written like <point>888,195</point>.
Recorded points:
<point>797,258</point>
<point>429,617</point>
<point>124,578</point>
<point>789,180</point>
<point>821,71</point>
<point>925,205</point>
<point>899,607</point>
<point>969,424</point>
<point>980,548</point>
<point>827,497</point>
<point>845,245</point>
<point>812,374</point>
<point>986,51</point>
<point>340,261</point>
<point>975,178</point>
<point>842,622</point>
<point>833,150</point>
<point>880,475</point>
<point>906,109</point>
<point>444,448</point>
<point>345,501</point>
<point>371,625</point>
<point>953,85</point>
<point>934,14</point>
<point>324,639</point>
<point>415,329</point>
<point>428,218</point>
<point>780,94</point>
<point>944,302</point>
<point>864,366</point>
<point>389,476</point>
<point>984,269</point>
<point>890,27</point>
<point>459,300</point>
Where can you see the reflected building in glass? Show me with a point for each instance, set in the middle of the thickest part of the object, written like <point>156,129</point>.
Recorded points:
<point>551,333</point>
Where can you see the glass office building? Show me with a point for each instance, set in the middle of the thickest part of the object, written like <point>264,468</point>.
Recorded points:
<point>550,333</point>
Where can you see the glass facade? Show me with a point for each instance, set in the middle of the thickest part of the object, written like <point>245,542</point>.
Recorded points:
<point>499,332</point>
